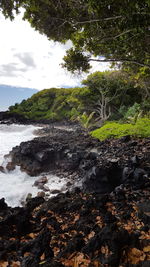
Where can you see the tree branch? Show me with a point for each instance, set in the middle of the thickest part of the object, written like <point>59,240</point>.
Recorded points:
<point>97,20</point>
<point>118,35</point>
<point>87,21</point>
<point>120,60</point>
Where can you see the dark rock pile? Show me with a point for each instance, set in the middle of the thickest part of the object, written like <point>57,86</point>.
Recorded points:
<point>100,166</point>
<point>7,118</point>
<point>78,229</point>
<point>104,223</point>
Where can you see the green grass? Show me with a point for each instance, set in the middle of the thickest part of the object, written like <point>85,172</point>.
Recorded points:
<point>116,130</point>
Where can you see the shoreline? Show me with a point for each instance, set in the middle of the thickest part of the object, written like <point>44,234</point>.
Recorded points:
<point>105,222</point>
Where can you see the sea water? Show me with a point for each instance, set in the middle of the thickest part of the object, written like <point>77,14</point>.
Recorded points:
<point>15,185</point>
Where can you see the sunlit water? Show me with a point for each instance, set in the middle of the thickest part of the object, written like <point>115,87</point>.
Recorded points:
<point>15,185</point>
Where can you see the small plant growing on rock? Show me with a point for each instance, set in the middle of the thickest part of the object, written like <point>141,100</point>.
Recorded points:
<point>85,119</point>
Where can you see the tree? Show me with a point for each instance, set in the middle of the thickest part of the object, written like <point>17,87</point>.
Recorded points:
<point>111,90</point>
<point>112,30</point>
<point>99,84</point>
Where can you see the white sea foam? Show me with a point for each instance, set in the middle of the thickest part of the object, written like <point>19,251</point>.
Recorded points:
<point>12,135</point>
<point>15,185</point>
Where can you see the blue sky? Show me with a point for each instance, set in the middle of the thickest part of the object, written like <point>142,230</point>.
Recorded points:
<point>29,59</point>
<point>10,95</point>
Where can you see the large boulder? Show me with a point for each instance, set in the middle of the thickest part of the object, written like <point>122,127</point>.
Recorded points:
<point>102,179</point>
<point>37,156</point>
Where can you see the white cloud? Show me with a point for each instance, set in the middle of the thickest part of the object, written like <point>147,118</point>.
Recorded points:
<point>29,59</point>
<point>26,59</point>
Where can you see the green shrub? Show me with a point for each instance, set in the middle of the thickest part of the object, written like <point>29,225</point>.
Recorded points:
<point>143,127</point>
<point>133,111</point>
<point>116,130</point>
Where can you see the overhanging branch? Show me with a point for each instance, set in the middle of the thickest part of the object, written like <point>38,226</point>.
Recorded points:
<point>121,60</point>
<point>86,21</point>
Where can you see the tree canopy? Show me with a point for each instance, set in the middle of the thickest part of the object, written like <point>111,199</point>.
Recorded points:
<point>111,30</point>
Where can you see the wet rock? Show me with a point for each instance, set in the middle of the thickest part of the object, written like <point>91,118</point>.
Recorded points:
<point>9,118</point>
<point>34,202</point>
<point>10,166</point>
<point>2,169</point>
<point>43,180</point>
<point>43,187</point>
<point>69,184</point>
<point>3,205</point>
<point>31,168</point>
<point>41,156</point>
<point>41,194</point>
<point>29,197</point>
<point>101,166</point>
<point>36,156</point>
<point>55,191</point>
<point>76,190</point>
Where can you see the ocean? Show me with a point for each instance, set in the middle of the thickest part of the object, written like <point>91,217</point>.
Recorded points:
<point>15,185</point>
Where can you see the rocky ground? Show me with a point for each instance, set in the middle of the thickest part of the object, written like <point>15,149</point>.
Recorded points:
<point>99,166</point>
<point>103,222</point>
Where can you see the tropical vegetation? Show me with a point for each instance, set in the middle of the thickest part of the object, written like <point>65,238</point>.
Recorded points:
<point>109,95</point>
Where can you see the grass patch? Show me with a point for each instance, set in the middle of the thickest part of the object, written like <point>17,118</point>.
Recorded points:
<point>116,130</point>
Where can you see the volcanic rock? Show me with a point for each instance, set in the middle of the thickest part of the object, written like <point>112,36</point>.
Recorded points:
<point>10,166</point>
<point>2,169</point>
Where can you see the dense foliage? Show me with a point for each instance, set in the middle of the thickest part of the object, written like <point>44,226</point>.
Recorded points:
<point>117,30</point>
<point>54,104</point>
<point>105,95</point>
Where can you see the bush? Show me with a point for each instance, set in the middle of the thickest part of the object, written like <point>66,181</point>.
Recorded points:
<point>116,130</point>
<point>133,111</point>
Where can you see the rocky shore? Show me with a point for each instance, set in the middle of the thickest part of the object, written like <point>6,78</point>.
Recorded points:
<point>96,166</point>
<point>104,217</point>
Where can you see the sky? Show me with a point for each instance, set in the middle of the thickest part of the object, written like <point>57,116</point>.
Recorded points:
<point>29,59</point>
